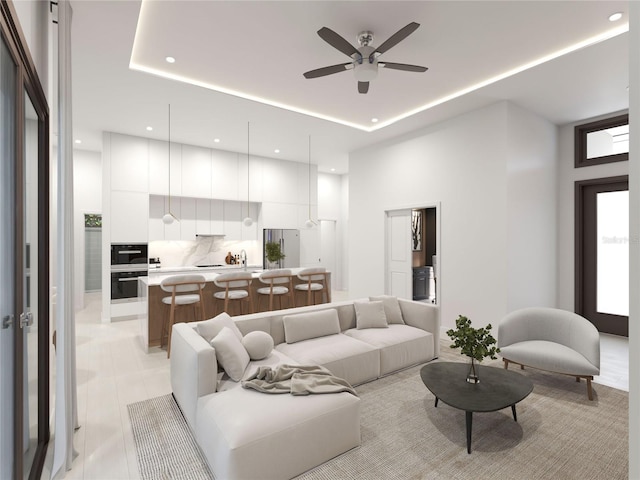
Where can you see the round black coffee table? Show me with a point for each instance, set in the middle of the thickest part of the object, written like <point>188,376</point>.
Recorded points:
<point>498,389</point>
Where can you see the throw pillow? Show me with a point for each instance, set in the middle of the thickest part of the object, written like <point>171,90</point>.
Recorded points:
<point>370,315</point>
<point>230,353</point>
<point>310,325</point>
<point>208,329</point>
<point>391,308</point>
<point>258,344</point>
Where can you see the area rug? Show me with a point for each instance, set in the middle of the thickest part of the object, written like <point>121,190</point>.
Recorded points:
<point>560,434</point>
<point>165,446</point>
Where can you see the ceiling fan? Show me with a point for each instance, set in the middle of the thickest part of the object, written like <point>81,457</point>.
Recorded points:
<point>364,59</point>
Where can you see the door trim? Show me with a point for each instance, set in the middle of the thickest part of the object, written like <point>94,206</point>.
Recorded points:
<point>579,238</point>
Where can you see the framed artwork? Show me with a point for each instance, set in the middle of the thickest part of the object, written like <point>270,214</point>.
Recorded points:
<point>416,230</point>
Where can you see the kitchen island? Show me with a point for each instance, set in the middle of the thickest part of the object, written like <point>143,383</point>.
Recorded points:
<point>150,293</point>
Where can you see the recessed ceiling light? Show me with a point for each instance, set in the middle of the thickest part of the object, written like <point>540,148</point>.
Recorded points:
<point>170,60</point>
<point>149,129</point>
<point>333,169</point>
<point>374,120</point>
<point>216,140</point>
<point>277,150</point>
<point>614,17</point>
<point>78,142</point>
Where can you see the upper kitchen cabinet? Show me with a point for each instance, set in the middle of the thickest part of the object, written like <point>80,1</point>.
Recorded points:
<point>159,178</point>
<point>280,180</point>
<point>196,172</point>
<point>304,175</point>
<point>224,175</point>
<point>254,180</point>
<point>129,163</point>
<point>129,217</point>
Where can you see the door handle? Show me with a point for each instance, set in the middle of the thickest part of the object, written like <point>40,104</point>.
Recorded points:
<point>133,279</point>
<point>26,319</point>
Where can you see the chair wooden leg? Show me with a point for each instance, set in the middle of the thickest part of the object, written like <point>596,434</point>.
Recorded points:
<point>589,389</point>
<point>171,319</point>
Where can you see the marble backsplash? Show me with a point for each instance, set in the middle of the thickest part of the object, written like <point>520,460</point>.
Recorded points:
<point>209,250</point>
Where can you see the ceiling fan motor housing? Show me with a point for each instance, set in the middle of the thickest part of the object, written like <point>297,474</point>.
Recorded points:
<point>366,68</point>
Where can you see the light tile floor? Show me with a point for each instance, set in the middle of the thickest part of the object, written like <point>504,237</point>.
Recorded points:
<point>113,371</point>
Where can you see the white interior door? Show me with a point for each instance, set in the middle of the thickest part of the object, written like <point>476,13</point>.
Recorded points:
<point>399,279</point>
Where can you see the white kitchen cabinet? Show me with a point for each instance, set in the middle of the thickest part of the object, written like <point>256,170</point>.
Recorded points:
<point>280,215</point>
<point>129,217</point>
<point>217,217</point>
<point>225,174</point>
<point>156,211</point>
<point>203,216</point>
<point>129,163</point>
<point>187,218</point>
<point>303,184</point>
<point>159,168</point>
<point>255,183</point>
<point>233,220</point>
<point>250,232</point>
<point>280,180</point>
<point>309,247</point>
<point>196,172</point>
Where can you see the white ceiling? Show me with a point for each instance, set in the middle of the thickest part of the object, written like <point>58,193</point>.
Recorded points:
<point>260,50</point>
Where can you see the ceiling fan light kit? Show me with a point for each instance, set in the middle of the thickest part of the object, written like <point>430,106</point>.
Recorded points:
<point>364,59</point>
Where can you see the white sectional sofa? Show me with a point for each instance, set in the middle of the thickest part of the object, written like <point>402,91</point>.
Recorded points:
<point>245,434</point>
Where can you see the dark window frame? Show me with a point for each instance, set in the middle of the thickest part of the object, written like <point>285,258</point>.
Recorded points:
<point>580,138</point>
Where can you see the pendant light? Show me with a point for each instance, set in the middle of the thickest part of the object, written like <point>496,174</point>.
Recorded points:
<point>169,217</point>
<point>310,223</point>
<point>248,221</point>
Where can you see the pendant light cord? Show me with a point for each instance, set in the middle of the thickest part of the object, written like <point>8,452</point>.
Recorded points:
<point>248,214</point>
<point>309,175</point>
<point>169,156</point>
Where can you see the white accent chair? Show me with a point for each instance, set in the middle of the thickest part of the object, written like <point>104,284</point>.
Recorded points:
<point>181,288</point>
<point>550,339</point>
<point>279,283</point>
<point>236,286</point>
<point>315,280</point>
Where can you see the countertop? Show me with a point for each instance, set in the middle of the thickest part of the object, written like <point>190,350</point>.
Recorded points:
<point>157,275</point>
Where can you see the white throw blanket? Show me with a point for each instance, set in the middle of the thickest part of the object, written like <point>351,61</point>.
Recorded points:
<point>297,380</point>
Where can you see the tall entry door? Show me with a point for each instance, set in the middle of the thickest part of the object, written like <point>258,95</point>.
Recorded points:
<point>602,253</point>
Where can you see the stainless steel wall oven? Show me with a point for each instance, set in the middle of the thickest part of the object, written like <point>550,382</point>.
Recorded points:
<point>128,262</point>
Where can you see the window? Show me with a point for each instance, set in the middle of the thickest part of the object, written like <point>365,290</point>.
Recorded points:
<point>603,141</point>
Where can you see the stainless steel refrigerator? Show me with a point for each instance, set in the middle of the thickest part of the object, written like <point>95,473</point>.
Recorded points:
<point>289,241</point>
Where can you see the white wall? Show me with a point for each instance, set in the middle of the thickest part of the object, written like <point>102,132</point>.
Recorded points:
<point>331,206</point>
<point>567,176</point>
<point>531,210</point>
<point>473,167</point>
<point>87,198</point>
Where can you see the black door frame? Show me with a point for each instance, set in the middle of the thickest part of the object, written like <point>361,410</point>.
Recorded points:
<point>28,84</point>
<point>585,255</point>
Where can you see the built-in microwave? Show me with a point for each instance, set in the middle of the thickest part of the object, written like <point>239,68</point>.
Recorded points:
<point>129,254</point>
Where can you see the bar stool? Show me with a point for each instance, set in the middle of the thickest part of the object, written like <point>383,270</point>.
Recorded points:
<point>276,279</point>
<point>311,277</point>
<point>236,286</point>
<point>180,287</point>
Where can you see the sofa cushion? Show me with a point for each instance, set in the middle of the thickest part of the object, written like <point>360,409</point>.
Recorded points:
<point>208,329</point>
<point>370,315</point>
<point>550,356</point>
<point>303,326</point>
<point>400,345</point>
<point>245,434</point>
<point>391,308</point>
<point>345,357</point>
<point>230,353</point>
<point>258,344</point>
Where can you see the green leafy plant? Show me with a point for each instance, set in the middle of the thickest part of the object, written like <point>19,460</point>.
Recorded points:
<point>476,343</point>
<point>273,252</point>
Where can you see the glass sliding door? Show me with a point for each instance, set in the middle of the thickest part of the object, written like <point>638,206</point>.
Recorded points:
<point>8,80</point>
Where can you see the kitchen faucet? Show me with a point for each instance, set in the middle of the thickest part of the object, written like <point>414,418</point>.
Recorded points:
<point>243,258</point>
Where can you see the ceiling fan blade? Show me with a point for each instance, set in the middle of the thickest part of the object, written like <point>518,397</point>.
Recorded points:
<point>337,42</point>
<point>363,87</point>
<point>321,72</point>
<point>403,66</point>
<point>397,37</point>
